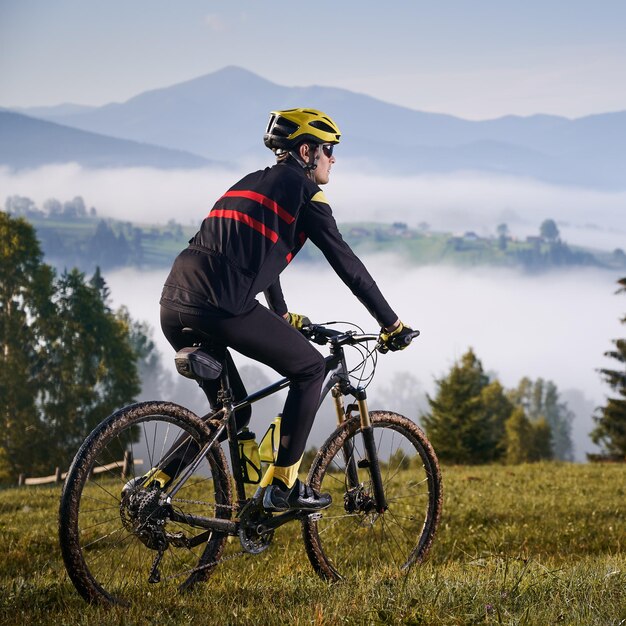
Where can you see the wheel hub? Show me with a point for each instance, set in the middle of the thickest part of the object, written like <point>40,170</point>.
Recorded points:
<point>357,500</point>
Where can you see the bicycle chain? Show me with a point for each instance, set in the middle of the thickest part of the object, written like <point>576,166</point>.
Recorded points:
<point>225,559</point>
<point>221,560</point>
<point>199,568</point>
<point>203,502</point>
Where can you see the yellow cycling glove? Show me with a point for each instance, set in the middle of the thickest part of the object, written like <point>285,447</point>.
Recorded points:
<point>393,340</point>
<point>297,320</point>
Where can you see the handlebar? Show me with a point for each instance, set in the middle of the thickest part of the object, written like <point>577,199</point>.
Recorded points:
<point>405,340</point>
<point>322,335</point>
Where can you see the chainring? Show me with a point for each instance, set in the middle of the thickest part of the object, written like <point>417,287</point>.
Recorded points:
<point>250,521</point>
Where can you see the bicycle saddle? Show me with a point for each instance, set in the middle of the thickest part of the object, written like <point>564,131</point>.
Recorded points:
<point>199,362</point>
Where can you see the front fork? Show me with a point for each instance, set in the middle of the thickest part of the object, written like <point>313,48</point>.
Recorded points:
<point>370,462</point>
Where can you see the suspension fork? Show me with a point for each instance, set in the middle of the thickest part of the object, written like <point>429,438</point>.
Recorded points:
<point>352,474</point>
<point>371,456</point>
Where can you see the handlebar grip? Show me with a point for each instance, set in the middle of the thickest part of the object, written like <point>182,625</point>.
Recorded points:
<point>405,340</point>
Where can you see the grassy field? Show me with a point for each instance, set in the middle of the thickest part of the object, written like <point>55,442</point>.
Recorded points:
<point>534,544</point>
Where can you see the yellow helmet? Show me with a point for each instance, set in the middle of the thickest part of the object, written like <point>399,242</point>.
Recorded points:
<point>286,129</point>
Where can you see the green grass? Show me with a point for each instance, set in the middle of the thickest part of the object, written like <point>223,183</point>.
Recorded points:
<point>533,544</point>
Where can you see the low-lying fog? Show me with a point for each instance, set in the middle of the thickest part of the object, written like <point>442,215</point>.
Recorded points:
<point>451,203</point>
<point>556,326</point>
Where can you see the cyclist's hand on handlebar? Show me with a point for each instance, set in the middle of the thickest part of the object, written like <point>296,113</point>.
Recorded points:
<point>396,339</point>
<point>297,320</point>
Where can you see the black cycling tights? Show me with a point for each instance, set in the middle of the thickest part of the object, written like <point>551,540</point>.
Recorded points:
<point>268,338</point>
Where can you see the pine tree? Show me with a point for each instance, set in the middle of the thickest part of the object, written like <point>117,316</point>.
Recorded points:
<point>468,413</point>
<point>66,360</point>
<point>610,430</point>
<point>26,286</point>
<point>525,440</point>
<point>540,400</point>
<point>92,366</point>
<point>518,435</point>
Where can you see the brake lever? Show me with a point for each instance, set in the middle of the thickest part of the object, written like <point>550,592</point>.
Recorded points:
<point>311,335</point>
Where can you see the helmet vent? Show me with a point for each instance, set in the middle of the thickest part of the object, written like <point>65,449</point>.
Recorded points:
<point>327,128</point>
<point>285,127</point>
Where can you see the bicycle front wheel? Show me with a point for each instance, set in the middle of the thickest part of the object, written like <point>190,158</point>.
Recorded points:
<point>120,538</point>
<point>351,537</point>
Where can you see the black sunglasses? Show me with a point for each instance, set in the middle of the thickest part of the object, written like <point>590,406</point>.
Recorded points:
<point>328,149</point>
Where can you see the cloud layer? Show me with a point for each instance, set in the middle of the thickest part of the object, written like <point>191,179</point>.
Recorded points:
<point>459,202</point>
<point>556,327</point>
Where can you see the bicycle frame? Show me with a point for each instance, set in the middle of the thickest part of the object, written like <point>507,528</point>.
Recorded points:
<point>338,384</point>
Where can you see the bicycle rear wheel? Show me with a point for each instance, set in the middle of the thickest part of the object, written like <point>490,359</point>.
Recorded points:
<point>111,542</point>
<point>351,538</point>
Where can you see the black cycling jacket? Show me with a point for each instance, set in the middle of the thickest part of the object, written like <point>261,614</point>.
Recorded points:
<point>251,235</point>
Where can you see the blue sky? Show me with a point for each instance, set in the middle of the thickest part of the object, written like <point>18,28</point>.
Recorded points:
<point>476,59</point>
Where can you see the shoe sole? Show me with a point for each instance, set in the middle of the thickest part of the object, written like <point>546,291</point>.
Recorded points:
<point>273,509</point>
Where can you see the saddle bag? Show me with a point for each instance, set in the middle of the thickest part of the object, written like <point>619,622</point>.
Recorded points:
<point>198,364</point>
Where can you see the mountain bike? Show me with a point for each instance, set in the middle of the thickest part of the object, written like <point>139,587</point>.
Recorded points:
<point>120,543</point>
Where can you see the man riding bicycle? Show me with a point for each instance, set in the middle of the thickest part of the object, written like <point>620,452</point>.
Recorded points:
<point>249,237</point>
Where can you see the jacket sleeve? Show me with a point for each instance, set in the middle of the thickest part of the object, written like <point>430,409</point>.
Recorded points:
<point>321,228</point>
<point>275,299</point>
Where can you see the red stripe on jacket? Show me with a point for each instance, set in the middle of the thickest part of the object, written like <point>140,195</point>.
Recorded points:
<point>264,200</point>
<point>246,219</point>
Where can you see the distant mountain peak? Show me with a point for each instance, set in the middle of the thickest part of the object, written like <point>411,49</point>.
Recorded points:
<point>222,114</point>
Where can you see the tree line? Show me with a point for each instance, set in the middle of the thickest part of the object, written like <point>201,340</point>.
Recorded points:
<point>85,241</point>
<point>67,360</point>
<point>73,235</point>
<point>473,419</point>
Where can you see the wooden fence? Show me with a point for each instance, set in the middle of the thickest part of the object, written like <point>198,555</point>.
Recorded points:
<point>58,477</point>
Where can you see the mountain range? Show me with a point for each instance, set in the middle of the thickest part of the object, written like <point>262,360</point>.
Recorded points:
<point>26,142</point>
<point>221,117</point>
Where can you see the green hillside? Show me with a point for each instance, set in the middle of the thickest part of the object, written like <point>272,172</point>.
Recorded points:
<point>88,241</point>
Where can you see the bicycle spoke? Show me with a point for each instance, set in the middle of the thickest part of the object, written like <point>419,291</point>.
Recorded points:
<point>118,537</point>
<point>350,536</point>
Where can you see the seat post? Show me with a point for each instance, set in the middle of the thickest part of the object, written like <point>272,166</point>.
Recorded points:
<point>225,396</point>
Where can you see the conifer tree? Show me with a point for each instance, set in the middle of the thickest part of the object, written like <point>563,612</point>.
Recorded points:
<point>26,286</point>
<point>468,413</point>
<point>540,400</point>
<point>518,435</point>
<point>66,360</point>
<point>610,430</point>
<point>525,440</point>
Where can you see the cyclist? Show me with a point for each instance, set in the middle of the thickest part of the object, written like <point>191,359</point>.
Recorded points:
<point>250,236</point>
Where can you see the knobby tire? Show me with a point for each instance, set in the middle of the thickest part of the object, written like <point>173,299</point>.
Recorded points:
<point>351,538</point>
<point>105,558</point>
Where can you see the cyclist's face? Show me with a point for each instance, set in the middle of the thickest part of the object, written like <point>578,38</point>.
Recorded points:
<point>321,173</point>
